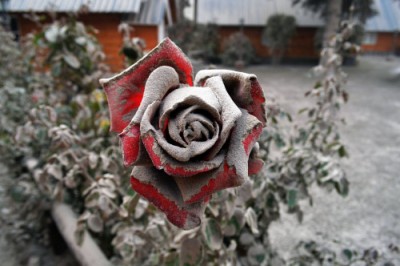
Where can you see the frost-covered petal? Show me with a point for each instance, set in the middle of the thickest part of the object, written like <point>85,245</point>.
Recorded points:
<point>200,127</point>
<point>243,137</point>
<point>202,97</point>
<point>130,144</point>
<point>162,160</point>
<point>229,113</point>
<point>133,151</point>
<point>255,165</point>
<point>158,84</point>
<point>125,90</point>
<point>243,88</point>
<point>235,169</point>
<point>170,103</point>
<point>198,187</point>
<point>161,190</point>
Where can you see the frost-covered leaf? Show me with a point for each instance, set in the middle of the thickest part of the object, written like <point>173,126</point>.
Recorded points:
<point>246,239</point>
<point>79,233</point>
<point>291,198</point>
<point>52,33</point>
<point>93,158</point>
<point>95,223</point>
<point>235,224</point>
<point>251,220</point>
<point>212,234</point>
<point>141,207</point>
<point>71,60</point>
<point>55,171</point>
<point>256,255</point>
<point>80,40</point>
<point>191,252</point>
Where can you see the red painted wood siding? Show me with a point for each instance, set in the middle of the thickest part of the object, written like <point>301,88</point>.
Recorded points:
<point>108,35</point>
<point>384,43</point>
<point>301,45</point>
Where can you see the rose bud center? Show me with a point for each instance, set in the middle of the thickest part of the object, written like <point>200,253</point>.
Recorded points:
<point>190,119</point>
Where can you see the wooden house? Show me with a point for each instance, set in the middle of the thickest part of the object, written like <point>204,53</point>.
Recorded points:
<point>251,16</point>
<point>149,19</point>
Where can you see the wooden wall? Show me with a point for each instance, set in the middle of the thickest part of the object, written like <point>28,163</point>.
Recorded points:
<point>147,32</point>
<point>300,47</point>
<point>302,44</point>
<point>108,35</point>
<point>385,43</point>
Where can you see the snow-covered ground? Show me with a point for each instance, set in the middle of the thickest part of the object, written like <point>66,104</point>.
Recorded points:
<point>370,215</point>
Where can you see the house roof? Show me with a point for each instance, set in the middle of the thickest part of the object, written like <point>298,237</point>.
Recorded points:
<point>148,12</point>
<point>252,12</point>
<point>387,19</point>
<point>153,12</point>
<point>256,13</point>
<point>97,6</point>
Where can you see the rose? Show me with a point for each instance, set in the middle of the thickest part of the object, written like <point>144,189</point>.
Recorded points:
<point>185,142</point>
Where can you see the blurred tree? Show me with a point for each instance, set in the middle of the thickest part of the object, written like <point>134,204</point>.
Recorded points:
<point>4,19</point>
<point>277,34</point>
<point>179,8</point>
<point>334,10</point>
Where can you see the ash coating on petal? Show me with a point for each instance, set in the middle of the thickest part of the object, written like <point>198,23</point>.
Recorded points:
<point>185,142</point>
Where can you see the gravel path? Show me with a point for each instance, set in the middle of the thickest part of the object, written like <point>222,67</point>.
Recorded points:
<point>370,215</point>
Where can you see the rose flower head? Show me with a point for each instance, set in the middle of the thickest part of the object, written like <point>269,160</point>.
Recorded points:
<point>185,139</point>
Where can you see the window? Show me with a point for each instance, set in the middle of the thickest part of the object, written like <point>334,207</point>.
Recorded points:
<point>370,38</point>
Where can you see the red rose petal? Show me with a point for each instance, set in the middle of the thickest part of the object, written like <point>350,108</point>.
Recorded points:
<point>130,144</point>
<point>179,217</point>
<point>242,141</point>
<point>226,178</point>
<point>173,167</point>
<point>125,91</point>
<point>257,107</point>
<point>251,139</point>
<point>255,166</point>
<point>162,191</point>
<point>148,141</point>
<point>183,171</point>
<point>244,89</point>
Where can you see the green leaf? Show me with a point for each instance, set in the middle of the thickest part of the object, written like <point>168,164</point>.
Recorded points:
<point>311,112</point>
<point>19,193</point>
<point>279,142</point>
<point>256,254</point>
<point>289,117</point>
<point>347,253</point>
<point>317,85</point>
<point>302,110</point>
<point>291,198</point>
<point>37,37</point>
<point>342,186</point>
<point>342,151</point>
